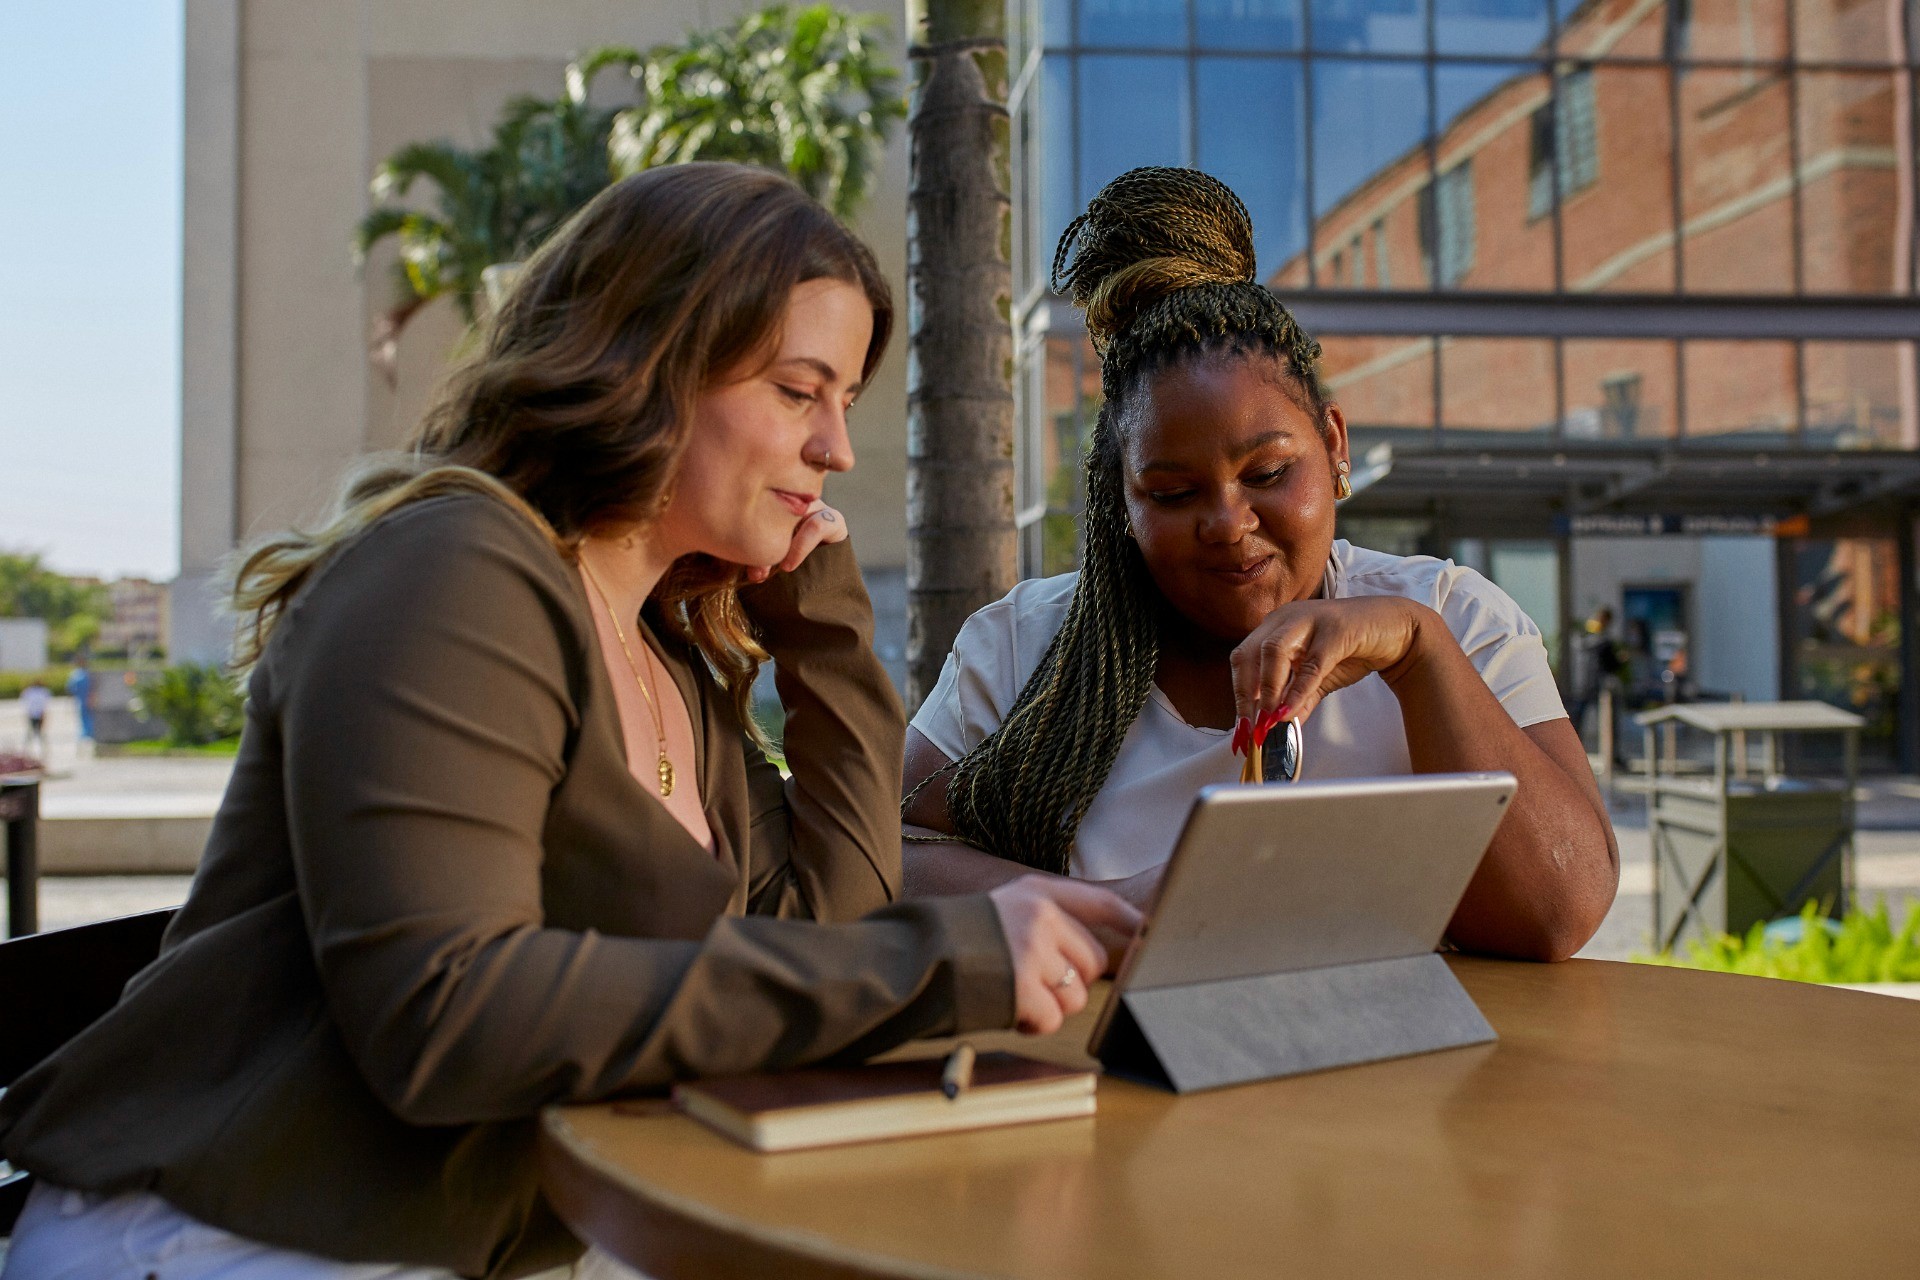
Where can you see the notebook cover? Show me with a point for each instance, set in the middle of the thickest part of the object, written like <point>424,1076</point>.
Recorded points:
<point>772,1091</point>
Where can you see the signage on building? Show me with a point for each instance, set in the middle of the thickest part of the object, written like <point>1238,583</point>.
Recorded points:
<point>1716,526</point>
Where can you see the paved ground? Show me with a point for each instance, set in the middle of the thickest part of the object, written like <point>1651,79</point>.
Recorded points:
<point>1887,862</point>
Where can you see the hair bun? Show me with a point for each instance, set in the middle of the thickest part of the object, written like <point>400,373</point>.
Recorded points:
<point>1149,233</point>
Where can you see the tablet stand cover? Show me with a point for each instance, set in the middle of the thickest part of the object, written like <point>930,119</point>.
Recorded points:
<point>1209,1034</point>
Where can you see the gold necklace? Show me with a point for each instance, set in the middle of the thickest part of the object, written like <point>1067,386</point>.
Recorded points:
<point>659,725</point>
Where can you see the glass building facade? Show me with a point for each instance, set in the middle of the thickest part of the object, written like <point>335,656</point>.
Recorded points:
<point>1569,260</point>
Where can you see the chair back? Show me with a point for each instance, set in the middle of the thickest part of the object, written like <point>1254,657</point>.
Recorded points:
<point>52,987</point>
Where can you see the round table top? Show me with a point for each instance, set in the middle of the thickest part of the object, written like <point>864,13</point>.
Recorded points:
<point>1631,1120</point>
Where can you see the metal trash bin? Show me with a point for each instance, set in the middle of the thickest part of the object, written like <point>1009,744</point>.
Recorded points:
<point>1735,849</point>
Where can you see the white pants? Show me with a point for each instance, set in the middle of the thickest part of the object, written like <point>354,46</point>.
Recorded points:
<point>76,1235</point>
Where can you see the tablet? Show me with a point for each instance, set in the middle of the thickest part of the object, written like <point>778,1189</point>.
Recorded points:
<point>1338,875</point>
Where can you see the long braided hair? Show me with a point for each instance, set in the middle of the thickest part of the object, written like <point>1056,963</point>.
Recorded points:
<point>1162,262</point>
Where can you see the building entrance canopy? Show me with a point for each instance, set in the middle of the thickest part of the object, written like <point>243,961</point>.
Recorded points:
<point>1536,485</point>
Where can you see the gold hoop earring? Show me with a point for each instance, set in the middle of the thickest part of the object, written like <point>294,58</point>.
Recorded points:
<point>1342,487</point>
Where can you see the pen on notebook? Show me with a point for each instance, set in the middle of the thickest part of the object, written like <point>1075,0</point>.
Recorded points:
<point>957,1074</point>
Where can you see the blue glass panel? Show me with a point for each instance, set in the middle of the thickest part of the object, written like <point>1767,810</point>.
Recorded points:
<point>1490,26</point>
<point>1134,23</point>
<point>1247,24</point>
<point>1133,111</point>
<point>1058,204</point>
<point>1370,26</point>
<point>1056,22</point>
<point>1252,136</point>
<point>1459,87</point>
<point>1367,117</point>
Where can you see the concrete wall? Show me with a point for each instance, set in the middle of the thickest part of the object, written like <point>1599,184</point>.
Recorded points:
<point>290,104</point>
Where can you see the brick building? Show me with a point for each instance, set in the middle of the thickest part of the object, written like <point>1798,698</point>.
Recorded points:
<point>1616,295</point>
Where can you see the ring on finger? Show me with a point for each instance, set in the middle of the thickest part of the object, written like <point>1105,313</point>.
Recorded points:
<point>1067,979</point>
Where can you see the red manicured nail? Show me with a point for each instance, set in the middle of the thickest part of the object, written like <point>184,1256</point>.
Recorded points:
<point>1242,736</point>
<point>1281,714</point>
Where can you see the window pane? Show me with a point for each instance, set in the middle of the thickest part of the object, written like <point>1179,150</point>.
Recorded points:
<point>1072,400</point>
<point>1851,213</point>
<point>1133,111</point>
<point>1056,22</point>
<point>1844,624</point>
<point>1370,163</point>
<point>1058,200</point>
<point>1383,385</point>
<point>1743,30</point>
<point>1618,227</point>
<point>1247,24</point>
<point>1860,395</point>
<point>1490,26</point>
<point>1492,389</point>
<point>1736,182</point>
<point>1152,23</point>
<point>1740,392</point>
<point>1613,28</point>
<point>1493,238</point>
<point>1837,31</point>
<point>1370,26</point>
<point>1618,390</point>
<point>1252,137</point>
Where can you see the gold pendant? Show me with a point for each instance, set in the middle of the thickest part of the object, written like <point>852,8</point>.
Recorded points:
<point>666,775</point>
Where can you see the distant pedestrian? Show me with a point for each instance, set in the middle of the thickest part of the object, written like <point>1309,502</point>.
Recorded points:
<point>80,688</point>
<point>1597,664</point>
<point>34,700</point>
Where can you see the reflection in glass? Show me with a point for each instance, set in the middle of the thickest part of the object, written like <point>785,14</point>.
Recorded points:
<point>1056,22</point>
<point>1611,28</point>
<point>1058,200</point>
<point>1495,386</point>
<point>1247,24</point>
<point>1736,30</point>
<point>1740,392</point>
<point>1384,385</point>
<point>1617,224</point>
<point>1133,111</point>
<point>1490,26</point>
<point>1853,173</point>
<point>1844,629</point>
<point>1133,23</point>
<point>1370,26</point>
<point>1252,136</point>
<point>1618,390</point>
<point>1847,30</point>
<point>1370,165</point>
<point>1483,233</point>
<point>1736,183</point>
<point>1860,395</point>
<point>1072,400</point>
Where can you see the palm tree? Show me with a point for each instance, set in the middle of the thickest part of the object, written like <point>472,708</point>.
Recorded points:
<point>491,204</point>
<point>963,552</point>
<point>802,90</point>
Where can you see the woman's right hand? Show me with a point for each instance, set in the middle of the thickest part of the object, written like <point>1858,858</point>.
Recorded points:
<point>1062,934</point>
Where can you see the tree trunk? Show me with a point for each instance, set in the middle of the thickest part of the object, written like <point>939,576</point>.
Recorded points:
<point>962,553</point>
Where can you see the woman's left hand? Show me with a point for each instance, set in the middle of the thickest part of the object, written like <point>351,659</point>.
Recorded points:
<point>1303,651</point>
<point>817,528</point>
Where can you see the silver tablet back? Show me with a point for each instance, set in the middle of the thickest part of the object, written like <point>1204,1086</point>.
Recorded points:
<point>1267,879</point>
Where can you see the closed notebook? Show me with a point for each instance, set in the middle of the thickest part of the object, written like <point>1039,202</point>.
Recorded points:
<point>821,1107</point>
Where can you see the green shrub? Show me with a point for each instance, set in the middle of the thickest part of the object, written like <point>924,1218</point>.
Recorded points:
<point>196,701</point>
<point>12,682</point>
<point>1863,947</point>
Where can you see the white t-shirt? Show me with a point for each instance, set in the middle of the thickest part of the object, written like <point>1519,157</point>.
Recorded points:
<point>1355,732</point>
<point>35,699</point>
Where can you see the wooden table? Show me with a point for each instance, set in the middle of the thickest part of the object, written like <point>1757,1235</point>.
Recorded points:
<point>1631,1121</point>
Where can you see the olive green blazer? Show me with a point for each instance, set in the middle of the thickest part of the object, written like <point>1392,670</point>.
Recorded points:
<point>435,900</point>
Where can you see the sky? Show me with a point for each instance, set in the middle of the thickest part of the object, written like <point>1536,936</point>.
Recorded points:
<point>90,200</point>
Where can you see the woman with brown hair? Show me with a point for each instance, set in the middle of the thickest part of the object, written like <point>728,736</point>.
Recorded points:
<point>502,833</point>
<point>1078,717</point>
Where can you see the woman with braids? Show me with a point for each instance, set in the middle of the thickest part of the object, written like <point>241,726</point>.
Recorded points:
<point>501,833</point>
<point>1077,718</point>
